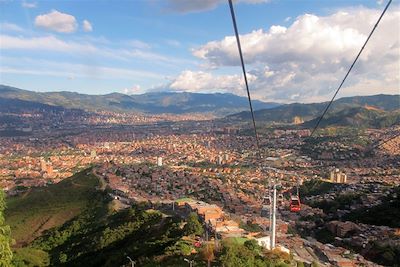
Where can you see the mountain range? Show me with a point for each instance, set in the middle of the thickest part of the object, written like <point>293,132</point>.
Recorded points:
<point>369,111</point>
<point>151,103</point>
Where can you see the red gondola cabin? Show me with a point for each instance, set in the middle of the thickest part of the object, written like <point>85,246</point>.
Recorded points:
<point>295,204</point>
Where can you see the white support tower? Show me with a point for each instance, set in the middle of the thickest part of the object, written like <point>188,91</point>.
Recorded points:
<point>273,217</point>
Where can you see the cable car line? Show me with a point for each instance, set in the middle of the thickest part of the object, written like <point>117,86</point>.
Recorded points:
<point>351,67</point>
<point>382,142</point>
<point>244,75</point>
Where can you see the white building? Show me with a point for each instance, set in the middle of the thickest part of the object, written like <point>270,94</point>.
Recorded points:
<point>159,161</point>
<point>264,242</point>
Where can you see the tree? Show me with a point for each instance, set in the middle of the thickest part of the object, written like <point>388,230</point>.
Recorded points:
<point>5,239</point>
<point>236,255</point>
<point>252,245</point>
<point>63,257</point>
<point>193,225</point>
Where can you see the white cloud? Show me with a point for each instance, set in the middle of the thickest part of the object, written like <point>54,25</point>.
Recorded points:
<point>57,21</point>
<point>287,19</point>
<point>308,59</point>
<point>187,6</point>
<point>29,5</point>
<point>10,27</point>
<point>49,43</point>
<point>139,44</point>
<point>380,2</point>
<point>199,81</point>
<point>72,70</point>
<point>133,90</point>
<point>87,48</point>
<point>87,26</point>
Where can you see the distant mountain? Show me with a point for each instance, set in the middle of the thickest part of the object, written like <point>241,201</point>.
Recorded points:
<point>18,106</point>
<point>153,103</point>
<point>373,106</point>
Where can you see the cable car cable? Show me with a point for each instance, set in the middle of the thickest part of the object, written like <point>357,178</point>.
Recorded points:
<point>244,74</point>
<point>351,67</point>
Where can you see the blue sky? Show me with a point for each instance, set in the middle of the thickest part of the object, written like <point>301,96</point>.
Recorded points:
<point>294,50</point>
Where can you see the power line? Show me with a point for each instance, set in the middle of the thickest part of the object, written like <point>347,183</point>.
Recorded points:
<point>244,74</point>
<point>273,203</point>
<point>351,67</point>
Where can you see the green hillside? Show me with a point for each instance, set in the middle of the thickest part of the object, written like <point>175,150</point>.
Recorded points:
<point>358,117</point>
<point>83,229</point>
<point>42,208</point>
<point>72,223</point>
<point>286,113</point>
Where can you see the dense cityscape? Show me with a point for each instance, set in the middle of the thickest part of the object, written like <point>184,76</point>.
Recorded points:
<point>199,133</point>
<point>210,167</point>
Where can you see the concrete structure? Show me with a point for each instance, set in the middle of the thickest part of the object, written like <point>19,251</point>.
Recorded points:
<point>264,242</point>
<point>226,157</point>
<point>336,176</point>
<point>159,161</point>
<point>219,160</point>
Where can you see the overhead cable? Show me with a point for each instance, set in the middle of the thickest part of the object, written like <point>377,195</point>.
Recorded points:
<point>244,75</point>
<point>351,67</point>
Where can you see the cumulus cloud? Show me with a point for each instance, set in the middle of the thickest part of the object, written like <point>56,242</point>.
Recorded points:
<point>57,21</point>
<point>87,26</point>
<point>185,6</point>
<point>305,61</point>
<point>199,81</point>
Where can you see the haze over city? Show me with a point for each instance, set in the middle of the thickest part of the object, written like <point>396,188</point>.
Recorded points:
<point>235,133</point>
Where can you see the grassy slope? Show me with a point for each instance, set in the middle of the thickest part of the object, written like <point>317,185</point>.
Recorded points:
<point>80,227</point>
<point>96,236</point>
<point>43,208</point>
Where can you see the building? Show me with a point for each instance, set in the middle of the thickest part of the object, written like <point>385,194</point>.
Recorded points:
<point>219,160</point>
<point>336,176</point>
<point>159,161</point>
<point>264,242</point>
<point>43,165</point>
<point>226,157</point>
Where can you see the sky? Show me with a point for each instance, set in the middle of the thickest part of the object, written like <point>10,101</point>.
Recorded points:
<point>294,50</point>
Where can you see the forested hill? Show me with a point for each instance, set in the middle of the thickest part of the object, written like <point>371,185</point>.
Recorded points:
<point>363,109</point>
